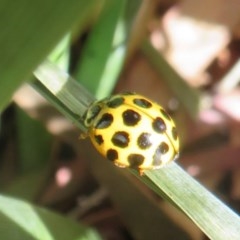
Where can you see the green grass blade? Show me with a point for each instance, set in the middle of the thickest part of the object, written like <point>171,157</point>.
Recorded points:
<point>217,220</point>
<point>20,220</point>
<point>61,53</point>
<point>103,55</point>
<point>63,92</point>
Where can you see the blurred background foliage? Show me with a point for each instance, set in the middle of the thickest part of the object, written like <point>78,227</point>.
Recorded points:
<point>181,54</point>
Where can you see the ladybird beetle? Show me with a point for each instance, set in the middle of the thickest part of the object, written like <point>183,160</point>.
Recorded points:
<point>132,131</point>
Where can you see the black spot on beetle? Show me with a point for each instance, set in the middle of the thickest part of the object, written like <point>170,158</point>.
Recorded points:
<point>141,102</point>
<point>135,160</point>
<point>95,110</point>
<point>143,140</point>
<point>115,102</point>
<point>105,121</point>
<point>99,139</point>
<point>163,147</point>
<point>165,114</point>
<point>120,139</point>
<point>112,155</point>
<point>131,117</point>
<point>161,150</point>
<point>159,125</point>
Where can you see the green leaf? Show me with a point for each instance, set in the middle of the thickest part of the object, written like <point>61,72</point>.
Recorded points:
<point>26,186</point>
<point>29,30</point>
<point>34,146</point>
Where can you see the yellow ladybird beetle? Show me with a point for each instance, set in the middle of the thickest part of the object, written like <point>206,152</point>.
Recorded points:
<point>132,131</point>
